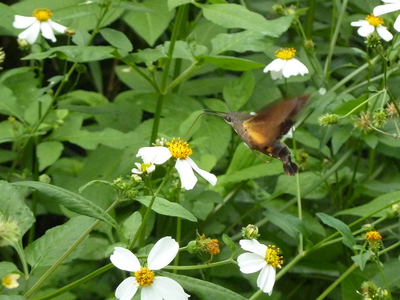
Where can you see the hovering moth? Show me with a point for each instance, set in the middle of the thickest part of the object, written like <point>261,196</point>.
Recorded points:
<point>261,132</point>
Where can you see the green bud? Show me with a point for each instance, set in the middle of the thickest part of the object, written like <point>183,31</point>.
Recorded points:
<point>379,118</point>
<point>250,232</point>
<point>328,120</point>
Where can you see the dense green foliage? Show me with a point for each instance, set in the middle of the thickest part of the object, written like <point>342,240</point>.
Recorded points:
<point>75,113</point>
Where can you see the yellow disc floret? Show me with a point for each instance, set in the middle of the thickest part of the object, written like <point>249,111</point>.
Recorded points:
<point>144,277</point>
<point>373,236</point>
<point>285,54</point>
<point>42,14</point>
<point>272,257</point>
<point>179,149</point>
<point>374,21</point>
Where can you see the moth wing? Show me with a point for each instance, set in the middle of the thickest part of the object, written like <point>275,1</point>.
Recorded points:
<point>273,121</point>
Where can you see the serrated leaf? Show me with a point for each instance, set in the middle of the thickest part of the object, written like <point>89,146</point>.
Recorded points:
<point>48,152</point>
<point>240,42</point>
<point>375,207</point>
<point>152,23</point>
<point>78,54</point>
<point>71,201</point>
<point>167,208</point>
<point>237,16</point>
<point>56,242</point>
<point>231,63</point>
<point>117,39</point>
<point>203,289</point>
<point>344,230</point>
<point>12,206</point>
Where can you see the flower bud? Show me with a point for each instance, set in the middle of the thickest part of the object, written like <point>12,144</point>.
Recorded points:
<point>250,232</point>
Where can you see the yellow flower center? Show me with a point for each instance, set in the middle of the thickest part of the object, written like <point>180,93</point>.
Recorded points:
<point>179,149</point>
<point>374,21</point>
<point>272,257</point>
<point>144,277</point>
<point>42,14</point>
<point>285,54</point>
<point>144,167</point>
<point>373,236</point>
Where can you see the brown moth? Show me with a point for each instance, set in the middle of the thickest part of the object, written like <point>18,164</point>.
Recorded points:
<point>261,132</point>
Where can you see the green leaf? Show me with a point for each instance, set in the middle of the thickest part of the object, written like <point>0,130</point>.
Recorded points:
<point>131,226</point>
<point>240,42</point>
<point>12,297</point>
<point>147,55</point>
<point>348,238</point>
<point>117,39</point>
<point>7,268</point>
<point>288,223</point>
<point>375,207</point>
<point>78,54</point>
<point>48,152</point>
<point>237,92</point>
<point>150,25</point>
<point>237,16</point>
<point>228,241</point>
<point>203,289</point>
<point>9,104</point>
<point>174,3</point>
<point>56,242</point>
<point>231,63</point>
<point>167,208</point>
<point>361,259</point>
<point>12,205</point>
<point>71,201</point>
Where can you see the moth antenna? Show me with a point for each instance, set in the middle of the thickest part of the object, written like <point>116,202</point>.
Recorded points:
<point>184,138</point>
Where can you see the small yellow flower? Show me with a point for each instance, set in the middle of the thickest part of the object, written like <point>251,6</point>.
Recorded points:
<point>373,236</point>
<point>10,281</point>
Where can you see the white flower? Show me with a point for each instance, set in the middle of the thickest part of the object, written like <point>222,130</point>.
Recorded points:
<point>40,22</point>
<point>286,65</point>
<point>153,287</point>
<point>369,25</point>
<point>261,258</point>
<point>390,6</point>
<point>184,164</point>
<point>143,168</point>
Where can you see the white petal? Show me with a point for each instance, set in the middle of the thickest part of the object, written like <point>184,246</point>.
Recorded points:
<point>250,262</point>
<point>384,33</point>
<point>397,24</point>
<point>294,67</point>
<point>47,31</point>
<point>391,1</point>
<point>156,155</point>
<point>276,75</point>
<point>138,169</point>
<point>125,260</point>
<point>359,23</point>
<point>254,246</point>
<point>163,252</point>
<point>188,179</point>
<point>366,30</point>
<point>266,279</point>
<point>211,178</point>
<point>384,9</point>
<point>165,288</point>
<point>57,27</point>
<point>30,34</point>
<point>23,22</point>
<point>276,65</point>
<point>127,289</point>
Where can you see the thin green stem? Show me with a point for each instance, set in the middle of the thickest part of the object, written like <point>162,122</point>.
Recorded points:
<point>205,266</point>
<point>334,38</point>
<point>161,97</point>
<point>337,281</point>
